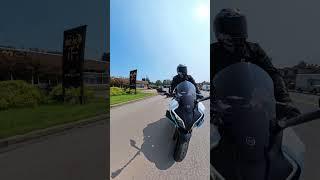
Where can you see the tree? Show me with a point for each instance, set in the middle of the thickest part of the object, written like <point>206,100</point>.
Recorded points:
<point>302,64</point>
<point>166,82</point>
<point>147,79</point>
<point>158,83</point>
<point>119,82</point>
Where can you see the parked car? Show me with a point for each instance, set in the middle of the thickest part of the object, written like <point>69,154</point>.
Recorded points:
<point>308,82</point>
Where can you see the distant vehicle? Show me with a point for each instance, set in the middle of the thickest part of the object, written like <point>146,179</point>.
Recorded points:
<point>160,89</point>
<point>308,82</point>
<point>291,85</point>
<point>206,87</point>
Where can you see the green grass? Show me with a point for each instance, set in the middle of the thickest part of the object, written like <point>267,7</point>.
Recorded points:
<point>24,120</point>
<point>128,97</point>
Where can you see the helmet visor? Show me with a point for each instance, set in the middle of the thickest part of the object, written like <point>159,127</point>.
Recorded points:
<point>182,70</point>
<point>236,27</point>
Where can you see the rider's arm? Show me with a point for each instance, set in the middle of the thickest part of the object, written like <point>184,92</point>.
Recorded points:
<point>280,90</point>
<point>173,85</point>
<point>194,83</point>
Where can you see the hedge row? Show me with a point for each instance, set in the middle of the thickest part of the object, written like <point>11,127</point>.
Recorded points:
<point>18,94</point>
<point>15,94</point>
<point>116,91</point>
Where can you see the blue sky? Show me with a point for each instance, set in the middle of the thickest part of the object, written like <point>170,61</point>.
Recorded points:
<point>40,23</point>
<point>155,36</point>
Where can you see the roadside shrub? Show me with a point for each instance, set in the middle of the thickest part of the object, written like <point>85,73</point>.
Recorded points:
<point>116,91</point>
<point>72,95</point>
<point>44,96</point>
<point>153,86</point>
<point>19,93</point>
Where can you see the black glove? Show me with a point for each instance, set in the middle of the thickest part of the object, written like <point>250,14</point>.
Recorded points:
<point>293,112</point>
<point>287,110</point>
<point>199,96</point>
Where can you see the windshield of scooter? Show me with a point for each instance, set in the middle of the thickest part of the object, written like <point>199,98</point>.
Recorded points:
<point>186,88</point>
<point>244,99</point>
<point>186,97</point>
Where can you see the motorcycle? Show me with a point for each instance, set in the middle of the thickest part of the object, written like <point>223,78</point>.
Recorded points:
<point>185,112</point>
<point>248,140</point>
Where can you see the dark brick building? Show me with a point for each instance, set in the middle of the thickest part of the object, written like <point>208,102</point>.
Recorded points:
<point>43,68</point>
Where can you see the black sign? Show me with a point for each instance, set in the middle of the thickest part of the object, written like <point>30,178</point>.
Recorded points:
<point>133,79</point>
<point>73,56</point>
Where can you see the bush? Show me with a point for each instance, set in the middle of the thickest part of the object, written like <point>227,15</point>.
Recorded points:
<point>19,94</point>
<point>72,95</point>
<point>154,86</point>
<point>116,91</point>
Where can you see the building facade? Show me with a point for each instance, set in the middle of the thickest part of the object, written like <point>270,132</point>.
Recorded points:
<point>45,68</point>
<point>289,74</point>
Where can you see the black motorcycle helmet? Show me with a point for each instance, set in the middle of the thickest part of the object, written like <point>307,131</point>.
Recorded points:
<point>230,22</point>
<point>182,70</point>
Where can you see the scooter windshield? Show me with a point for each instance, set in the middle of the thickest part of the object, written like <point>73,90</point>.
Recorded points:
<point>186,88</point>
<point>186,96</point>
<point>244,100</point>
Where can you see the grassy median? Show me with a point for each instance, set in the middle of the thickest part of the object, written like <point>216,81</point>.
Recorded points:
<point>118,96</point>
<point>24,120</point>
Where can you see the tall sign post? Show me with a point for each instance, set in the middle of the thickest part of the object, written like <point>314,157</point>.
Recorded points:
<point>133,80</point>
<point>73,59</point>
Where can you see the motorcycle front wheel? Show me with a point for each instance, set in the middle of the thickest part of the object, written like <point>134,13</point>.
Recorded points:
<point>181,149</point>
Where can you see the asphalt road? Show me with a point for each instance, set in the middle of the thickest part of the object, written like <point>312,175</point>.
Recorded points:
<point>309,133</point>
<point>142,145</point>
<point>141,148</point>
<point>77,154</point>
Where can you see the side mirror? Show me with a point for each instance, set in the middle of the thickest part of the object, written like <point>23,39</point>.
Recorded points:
<point>203,99</point>
<point>132,142</point>
<point>199,96</point>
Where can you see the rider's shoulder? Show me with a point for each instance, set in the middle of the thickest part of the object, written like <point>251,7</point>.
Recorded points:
<point>255,46</point>
<point>190,77</point>
<point>175,77</point>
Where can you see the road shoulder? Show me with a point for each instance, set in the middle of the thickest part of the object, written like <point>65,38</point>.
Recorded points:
<point>7,142</point>
<point>132,101</point>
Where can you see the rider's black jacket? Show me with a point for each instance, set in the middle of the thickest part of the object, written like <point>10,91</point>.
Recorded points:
<point>252,52</point>
<point>177,79</point>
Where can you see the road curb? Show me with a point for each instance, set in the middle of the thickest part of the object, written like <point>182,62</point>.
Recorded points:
<point>4,143</point>
<point>129,102</point>
<point>303,92</point>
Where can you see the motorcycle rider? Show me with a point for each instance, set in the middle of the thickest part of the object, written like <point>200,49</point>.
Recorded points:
<point>182,76</point>
<point>230,28</point>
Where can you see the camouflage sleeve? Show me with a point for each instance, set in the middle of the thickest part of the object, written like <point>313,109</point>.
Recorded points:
<point>173,84</point>
<point>280,90</point>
